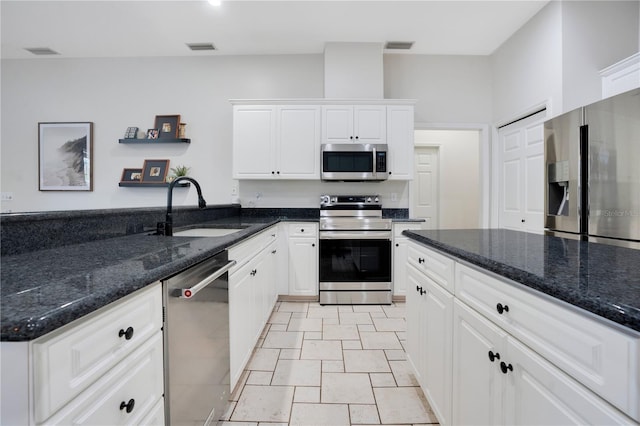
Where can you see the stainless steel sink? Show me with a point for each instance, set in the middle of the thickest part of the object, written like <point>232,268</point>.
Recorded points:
<point>206,232</point>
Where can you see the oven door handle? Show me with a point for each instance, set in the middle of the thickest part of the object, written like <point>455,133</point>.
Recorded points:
<point>355,235</point>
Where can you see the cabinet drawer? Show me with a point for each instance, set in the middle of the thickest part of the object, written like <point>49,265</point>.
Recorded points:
<point>247,249</point>
<point>602,358</point>
<point>436,266</point>
<point>303,230</point>
<point>70,359</point>
<point>137,378</point>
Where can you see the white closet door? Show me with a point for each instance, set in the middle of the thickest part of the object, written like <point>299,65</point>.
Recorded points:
<point>521,175</point>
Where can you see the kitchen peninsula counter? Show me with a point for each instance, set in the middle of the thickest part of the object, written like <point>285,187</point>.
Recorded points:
<point>601,279</point>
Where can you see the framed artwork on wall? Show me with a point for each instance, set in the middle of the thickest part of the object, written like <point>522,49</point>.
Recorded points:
<point>168,126</point>
<point>155,171</point>
<point>65,156</point>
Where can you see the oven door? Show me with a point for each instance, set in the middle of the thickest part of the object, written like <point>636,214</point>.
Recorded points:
<point>355,260</point>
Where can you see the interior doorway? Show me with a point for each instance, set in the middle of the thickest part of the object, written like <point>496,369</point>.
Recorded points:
<point>447,188</point>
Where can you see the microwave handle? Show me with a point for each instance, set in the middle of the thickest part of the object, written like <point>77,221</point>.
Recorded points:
<point>375,161</point>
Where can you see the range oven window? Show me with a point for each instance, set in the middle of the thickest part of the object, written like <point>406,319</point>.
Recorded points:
<point>354,260</point>
<point>341,162</point>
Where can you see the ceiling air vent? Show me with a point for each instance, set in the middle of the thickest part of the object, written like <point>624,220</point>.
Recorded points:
<point>398,45</point>
<point>201,46</point>
<point>41,51</point>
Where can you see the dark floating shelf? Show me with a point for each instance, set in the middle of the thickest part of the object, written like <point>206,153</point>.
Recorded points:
<point>152,185</point>
<point>153,141</point>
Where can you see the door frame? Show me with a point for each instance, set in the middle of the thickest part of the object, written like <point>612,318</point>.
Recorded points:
<point>486,200</point>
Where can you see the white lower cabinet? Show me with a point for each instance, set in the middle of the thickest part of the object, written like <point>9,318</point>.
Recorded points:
<point>517,358</point>
<point>498,380</point>
<point>252,295</point>
<point>400,255</point>
<point>429,311</point>
<point>303,259</point>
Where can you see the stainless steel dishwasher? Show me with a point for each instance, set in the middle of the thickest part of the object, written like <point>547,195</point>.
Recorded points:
<point>196,343</point>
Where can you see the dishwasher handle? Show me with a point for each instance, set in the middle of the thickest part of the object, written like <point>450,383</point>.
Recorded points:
<point>188,293</point>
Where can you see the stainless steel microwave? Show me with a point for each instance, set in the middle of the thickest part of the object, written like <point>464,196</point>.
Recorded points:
<point>354,162</point>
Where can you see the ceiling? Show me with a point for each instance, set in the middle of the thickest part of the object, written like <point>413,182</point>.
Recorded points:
<point>81,29</point>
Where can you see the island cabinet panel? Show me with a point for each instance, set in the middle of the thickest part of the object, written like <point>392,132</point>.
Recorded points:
<point>436,266</point>
<point>600,357</point>
<point>70,359</point>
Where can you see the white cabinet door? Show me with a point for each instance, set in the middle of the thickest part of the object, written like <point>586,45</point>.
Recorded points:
<point>400,131</point>
<point>354,124</point>
<point>254,141</point>
<point>477,381</point>
<point>416,321</point>
<point>298,142</point>
<point>521,179</point>
<point>242,317</point>
<point>303,259</point>
<point>370,124</point>
<point>539,393</point>
<point>400,256</point>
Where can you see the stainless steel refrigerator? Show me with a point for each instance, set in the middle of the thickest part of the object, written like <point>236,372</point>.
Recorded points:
<point>592,176</point>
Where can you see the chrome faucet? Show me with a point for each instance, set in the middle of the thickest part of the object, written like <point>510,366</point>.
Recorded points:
<point>166,228</point>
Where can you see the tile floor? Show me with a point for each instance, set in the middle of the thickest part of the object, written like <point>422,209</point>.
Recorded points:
<point>330,365</point>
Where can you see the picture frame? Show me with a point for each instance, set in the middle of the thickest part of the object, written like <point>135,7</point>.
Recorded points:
<point>152,134</point>
<point>168,126</point>
<point>155,171</point>
<point>65,156</point>
<point>131,133</point>
<point>131,175</point>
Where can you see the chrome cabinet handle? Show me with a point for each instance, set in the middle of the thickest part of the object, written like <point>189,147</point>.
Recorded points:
<point>187,293</point>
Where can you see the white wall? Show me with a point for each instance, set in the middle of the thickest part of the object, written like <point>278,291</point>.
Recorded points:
<point>459,165</point>
<point>449,89</point>
<point>117,93</point>
<point>596,34</point>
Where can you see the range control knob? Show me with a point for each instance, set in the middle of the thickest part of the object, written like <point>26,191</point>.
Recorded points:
<point>368,199</point>
<point>324,199</point>
<point>377,200</point>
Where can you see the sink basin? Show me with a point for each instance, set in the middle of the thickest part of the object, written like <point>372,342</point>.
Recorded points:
<point>206,232</point>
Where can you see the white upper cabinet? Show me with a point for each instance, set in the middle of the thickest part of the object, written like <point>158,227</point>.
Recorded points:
<point>276,142</point>
<point>400,131</point>
<point>354,124</point>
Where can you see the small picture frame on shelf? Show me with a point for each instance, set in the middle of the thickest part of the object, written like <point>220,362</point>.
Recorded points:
<point>168,126</point>
<point>152,134</point>
<point>131,175</point>
<point>155,171</point>
<point>131,133</point>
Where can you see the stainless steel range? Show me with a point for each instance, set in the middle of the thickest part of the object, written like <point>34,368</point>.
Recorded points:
<point>355,251</point>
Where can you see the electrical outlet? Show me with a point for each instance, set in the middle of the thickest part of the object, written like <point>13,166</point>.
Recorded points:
<point>7,196</point>
<point>234,190</point>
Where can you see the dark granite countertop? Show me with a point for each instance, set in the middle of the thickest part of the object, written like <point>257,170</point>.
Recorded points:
<point>601,279</point>
<point>46,289</point>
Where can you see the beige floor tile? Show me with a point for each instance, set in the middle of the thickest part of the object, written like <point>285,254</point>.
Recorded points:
<point>366,327</point>
<point>319,414</point>
<point>309,394</point>
<point>403,373</point>
<point>402,335</point>
<point>290,354</point>
<point>237,424</point>
<point>330,321</point>
<point>277,327</point>
<point>396,311</point>
<point>364,414</point>
<point>264,404</point>
<point>322,349</point>
<point>283,339</point>
<point>403,405</point>
<point>322,312</point>
<point>382,380</point>
<point>313,335</point>
<point>305,324</point>
<point>346,388</point>
<point>264,359</point>
<point>296,372</point>
<point>332,366</point>
<point>298,314</point>
<point>355,318</point>
<point>345,308</point>
<point>367,308</point>
<point>280,317</point>
<point>390,324</point>
<point>259,378</point>
<point>379,314</point>
<point>351,344</point>
<point>379,340</point>
<point>293,307</point>
<point>365,361</point>
<point>395,354</point>
<point>340,332</point>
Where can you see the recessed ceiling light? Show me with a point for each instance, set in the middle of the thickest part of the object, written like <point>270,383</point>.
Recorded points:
<point>215,2</point>
<point>201,46</point>
<point>398,45</point>
<point>41,51</point>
